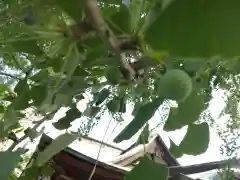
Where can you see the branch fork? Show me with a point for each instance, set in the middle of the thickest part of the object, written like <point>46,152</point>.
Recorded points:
<point>107,36</point>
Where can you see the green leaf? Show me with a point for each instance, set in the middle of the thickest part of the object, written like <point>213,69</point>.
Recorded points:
<point>22,86</point>
<point>27,45</point>
<point>30,173</point>
<point>175,150</point>
<point>101,96</point>
<point>3,132</point>
<point>65,122</point>
<point>101,62</point>
<point>135,108</point>
<point>122,107</point>
<point>55,63</point>
<point>148,169</point>
<point>199,28</point>
<point>32,133</point>
<point>186,113</point>
<point>73,59</point>
<point>113,75</point>
<point>61,125</point>
<point>143,137</point>
<point>73,9</point>
<point>192,65</point>
<point>190,144</point>
<point>118,2</point>
<point>136,10</point>
<point>38,93</point>
<point>94,53</point>
<point>61,99</point>
<point>77,84</point>
<point>40,76</point>
<point>2,108</point>
<point>114,105</point>
<point>47,170</point>
<point>60,143</point>
<point>143,114</point>
<point>21,101</point>
<point>11,117</point>
<point>80,72</point>
<point>120,22</point>
<point>9,161</point>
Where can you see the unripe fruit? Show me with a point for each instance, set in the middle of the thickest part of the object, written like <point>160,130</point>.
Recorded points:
<point>175,85</point>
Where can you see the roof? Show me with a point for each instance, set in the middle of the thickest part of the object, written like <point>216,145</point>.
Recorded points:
<point>110,165</point>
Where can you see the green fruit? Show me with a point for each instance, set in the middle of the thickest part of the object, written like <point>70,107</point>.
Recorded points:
<point>175,85</point>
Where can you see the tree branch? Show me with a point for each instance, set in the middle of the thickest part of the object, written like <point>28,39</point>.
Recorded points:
<point>105,33</point>
<point>198,168</point>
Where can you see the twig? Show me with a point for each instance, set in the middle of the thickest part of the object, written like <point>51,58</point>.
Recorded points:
<point>9,75</point>
<point>105,33</point>
<point>26,135</point>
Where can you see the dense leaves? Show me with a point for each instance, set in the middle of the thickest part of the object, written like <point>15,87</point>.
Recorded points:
<point>197,28</point>
<point>114,54</point>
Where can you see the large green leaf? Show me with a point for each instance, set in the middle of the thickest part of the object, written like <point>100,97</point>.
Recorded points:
<point>80,72</point>
<point>61,99</point>
<point>120,22</point>
<point>148,169</point>
<point>136,10</point>
<point>76,84</point>
<point>186,113</point>
<point>175,150</point>
<point>26,44</point>
<point>11,117</point>
<point>113,75</point>
<point>2,108</point>
<point>65,122</point>
<point>122,107</point>
<point>94,53</point>
<point>143,137</point>
<point>9,161</point>
<point>38,93</point>
<point>197,28</point>
<point>55,147</point>
<point>21,102</point>
<point>40,76</point>
<point>21,87</point>
<point>143,114</point>
<point>191,144</point>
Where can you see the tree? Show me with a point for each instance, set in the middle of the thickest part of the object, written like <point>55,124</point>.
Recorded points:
<point>140,52</point>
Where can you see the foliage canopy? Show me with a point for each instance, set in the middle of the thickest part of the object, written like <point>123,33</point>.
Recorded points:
<point>53,52</point>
